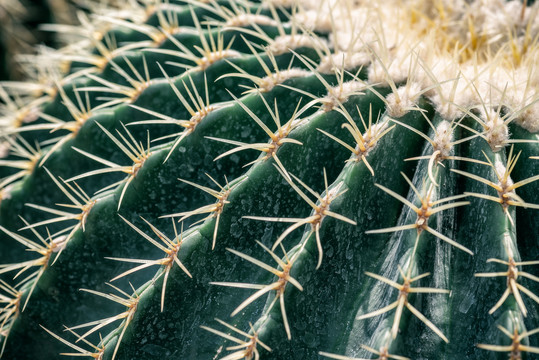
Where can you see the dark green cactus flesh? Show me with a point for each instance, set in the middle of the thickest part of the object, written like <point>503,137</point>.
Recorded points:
<point>242,180</point>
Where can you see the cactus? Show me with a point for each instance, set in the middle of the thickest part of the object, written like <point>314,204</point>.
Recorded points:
<point>243,180</point>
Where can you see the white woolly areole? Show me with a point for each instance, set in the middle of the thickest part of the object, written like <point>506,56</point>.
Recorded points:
<point>212,57</point>
<point>448,111</point>
<point>341,60</point>
<point>267,83</point>
<point>529,118</point>
<point>315,19</point>
<point>281,3</point>
<point>242,20</point>
<point>372,133</point>
<point>340,94</point>
<point>496,131</point>
<point>401,102</point>
<point>282,44</point>
<point>443,138</point>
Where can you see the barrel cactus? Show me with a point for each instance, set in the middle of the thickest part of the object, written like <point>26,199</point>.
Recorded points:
<point>275,180</point>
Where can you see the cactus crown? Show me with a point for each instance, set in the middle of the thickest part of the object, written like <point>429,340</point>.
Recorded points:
<point>279,179</point>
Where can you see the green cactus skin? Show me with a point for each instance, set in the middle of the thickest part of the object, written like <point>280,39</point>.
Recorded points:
<point>361,229</point>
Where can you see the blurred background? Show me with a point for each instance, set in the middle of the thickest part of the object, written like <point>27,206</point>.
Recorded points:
<point>21,32</point>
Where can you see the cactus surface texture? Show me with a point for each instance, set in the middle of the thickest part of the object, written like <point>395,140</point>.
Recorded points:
<point>231,179</point>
